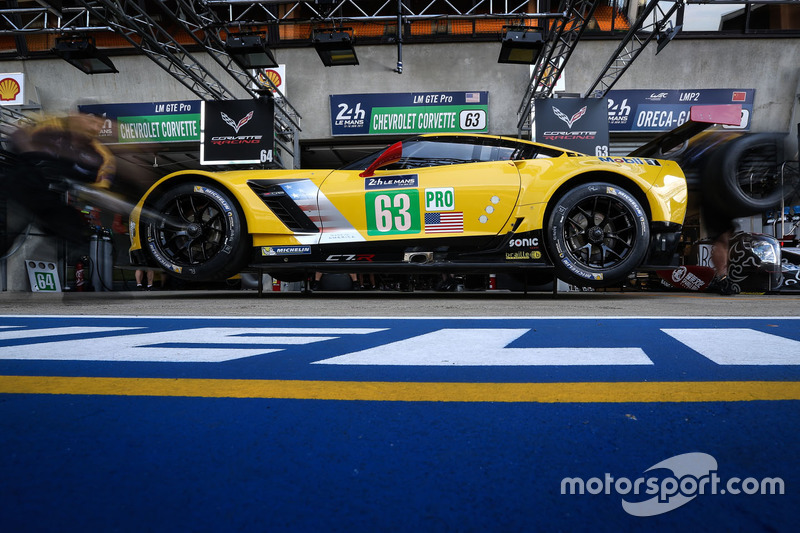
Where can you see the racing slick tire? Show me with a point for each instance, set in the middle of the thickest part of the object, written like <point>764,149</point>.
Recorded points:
<point>597,234</point>
<point>198,234</point>
<point>742,178</point>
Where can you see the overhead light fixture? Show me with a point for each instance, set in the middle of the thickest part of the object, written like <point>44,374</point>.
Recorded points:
<point>521,46</point>
<point>82,53</point>
<point>335,48</point>
<point>665,37</point>
<point>249,51</point>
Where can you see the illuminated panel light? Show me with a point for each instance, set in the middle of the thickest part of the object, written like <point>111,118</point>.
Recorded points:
<point>335,49</point>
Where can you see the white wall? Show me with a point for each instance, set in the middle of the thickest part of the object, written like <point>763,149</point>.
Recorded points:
<point>767,65</point>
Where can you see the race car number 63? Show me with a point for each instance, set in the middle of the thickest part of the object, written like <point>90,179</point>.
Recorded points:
<point>385,216</point>
<point>393,212</point>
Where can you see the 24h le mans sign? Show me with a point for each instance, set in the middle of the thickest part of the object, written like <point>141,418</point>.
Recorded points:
<point>392,113</point>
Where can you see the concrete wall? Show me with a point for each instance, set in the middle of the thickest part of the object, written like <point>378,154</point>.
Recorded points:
<point>426,68</point>
<point>767,65</point>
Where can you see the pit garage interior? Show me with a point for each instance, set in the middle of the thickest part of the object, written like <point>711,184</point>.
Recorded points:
<point>181,51</point>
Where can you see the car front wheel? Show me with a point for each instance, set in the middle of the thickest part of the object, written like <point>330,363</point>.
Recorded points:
<point>197,233</point>
<point>597,234</point>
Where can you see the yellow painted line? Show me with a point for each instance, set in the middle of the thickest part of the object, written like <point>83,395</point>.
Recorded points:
<point>606,392</point>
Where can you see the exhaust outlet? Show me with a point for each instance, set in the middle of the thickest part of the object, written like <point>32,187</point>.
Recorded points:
<point>418,257</point>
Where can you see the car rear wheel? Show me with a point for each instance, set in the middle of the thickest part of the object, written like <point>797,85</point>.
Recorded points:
<point>197,233</point>
<point>597,234</point>
<point>743,177</point>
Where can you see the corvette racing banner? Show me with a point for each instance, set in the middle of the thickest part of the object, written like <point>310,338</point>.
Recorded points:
<point>392,113</point>
<point>579,124</point>
<point>237,132</point>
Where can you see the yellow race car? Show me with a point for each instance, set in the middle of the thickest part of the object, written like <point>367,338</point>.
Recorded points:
<point>432,203</point>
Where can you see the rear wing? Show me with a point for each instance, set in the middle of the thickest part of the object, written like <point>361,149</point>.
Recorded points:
<point>701,117</point>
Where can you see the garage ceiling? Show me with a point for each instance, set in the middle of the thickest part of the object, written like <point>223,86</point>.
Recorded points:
<point>170,32</point>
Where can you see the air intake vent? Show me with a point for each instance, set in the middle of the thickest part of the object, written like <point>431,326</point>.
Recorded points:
<point>282,205</point>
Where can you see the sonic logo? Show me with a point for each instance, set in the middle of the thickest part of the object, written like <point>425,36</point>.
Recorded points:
<point>9,89</point>
<point>237,125</point>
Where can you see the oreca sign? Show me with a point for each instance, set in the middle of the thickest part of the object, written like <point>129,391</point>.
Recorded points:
<point>440,199</point>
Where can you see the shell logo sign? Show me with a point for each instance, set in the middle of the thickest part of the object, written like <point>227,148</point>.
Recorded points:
<point>11,89</point>
<point>275,75</point>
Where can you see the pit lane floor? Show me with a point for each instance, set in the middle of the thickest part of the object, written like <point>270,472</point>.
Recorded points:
<point>385,411</point>
<point>389,303</point>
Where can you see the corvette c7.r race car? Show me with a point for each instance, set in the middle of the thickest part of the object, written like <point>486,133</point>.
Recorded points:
<point>433,203</point>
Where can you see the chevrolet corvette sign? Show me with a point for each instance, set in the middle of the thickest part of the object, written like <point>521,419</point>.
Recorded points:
<point>392,113</point>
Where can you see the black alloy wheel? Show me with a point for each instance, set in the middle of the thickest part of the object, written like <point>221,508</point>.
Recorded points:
<point>598,234</point>
<point>199,233</point>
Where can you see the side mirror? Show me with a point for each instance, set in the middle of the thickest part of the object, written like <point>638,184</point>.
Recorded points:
<point>390,155</point>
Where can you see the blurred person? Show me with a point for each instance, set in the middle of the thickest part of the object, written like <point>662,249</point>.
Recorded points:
<point>69,142</point>
<point>448,283</point>
<point>139,276</point>
<point>318,276</point>
<point>720,228</point>
<point>44,158</point>
<point>366,281</point>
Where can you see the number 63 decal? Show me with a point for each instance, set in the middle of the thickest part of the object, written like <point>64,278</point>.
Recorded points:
<point>393,212</point>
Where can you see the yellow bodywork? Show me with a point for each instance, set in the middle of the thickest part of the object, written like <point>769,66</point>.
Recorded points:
<point>494,196</point>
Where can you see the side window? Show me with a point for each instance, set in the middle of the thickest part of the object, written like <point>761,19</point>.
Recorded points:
<point>424,153</point>
<point>531,151</point>
<point>434,151</point>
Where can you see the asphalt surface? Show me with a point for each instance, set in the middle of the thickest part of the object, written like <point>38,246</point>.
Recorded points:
<point>385,411</point>
<point>386,303</point>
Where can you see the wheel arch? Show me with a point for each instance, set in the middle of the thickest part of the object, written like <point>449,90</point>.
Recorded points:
<point>568,259</point>
<point>620,180</point>
<point>198,177</point>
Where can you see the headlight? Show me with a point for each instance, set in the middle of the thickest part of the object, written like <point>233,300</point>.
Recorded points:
<point>766,251</point>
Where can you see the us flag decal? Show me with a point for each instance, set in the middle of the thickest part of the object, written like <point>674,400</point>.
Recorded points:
<point>452,222</point>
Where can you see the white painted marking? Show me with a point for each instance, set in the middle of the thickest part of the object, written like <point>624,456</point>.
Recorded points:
<point>315,331</point>
<point>739,346</point>
<point>198,345</point>
<point>28,333</point>
<point>483,347</point>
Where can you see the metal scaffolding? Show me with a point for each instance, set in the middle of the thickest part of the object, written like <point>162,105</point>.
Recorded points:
<point>151,27</point>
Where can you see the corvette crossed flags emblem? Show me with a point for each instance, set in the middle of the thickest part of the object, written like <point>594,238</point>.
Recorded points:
<point>570,121</point>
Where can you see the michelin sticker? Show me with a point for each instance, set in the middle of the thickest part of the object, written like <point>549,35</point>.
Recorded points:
<point>285,250</point>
